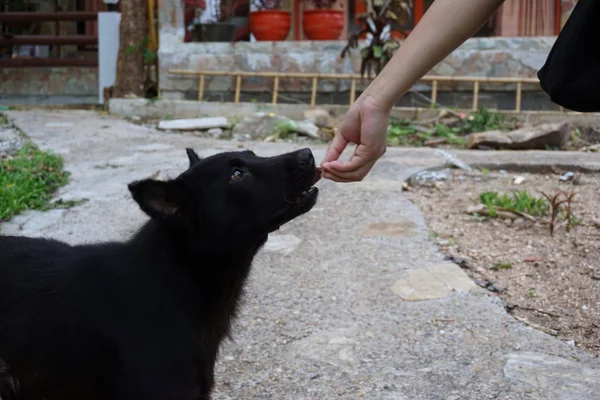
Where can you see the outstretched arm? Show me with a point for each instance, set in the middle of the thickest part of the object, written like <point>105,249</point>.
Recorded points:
<point>444,27</point>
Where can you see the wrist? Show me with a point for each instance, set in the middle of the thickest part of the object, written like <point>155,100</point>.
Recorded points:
<point>372,99</point>
<point>382,92</point>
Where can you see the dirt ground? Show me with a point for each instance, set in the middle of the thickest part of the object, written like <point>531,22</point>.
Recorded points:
<point>549,282</point>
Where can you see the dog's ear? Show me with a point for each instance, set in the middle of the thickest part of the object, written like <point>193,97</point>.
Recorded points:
<point>161,200</point>
<point>192,156</point>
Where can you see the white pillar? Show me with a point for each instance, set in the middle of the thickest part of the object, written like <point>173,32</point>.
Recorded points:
<point>108,50</point>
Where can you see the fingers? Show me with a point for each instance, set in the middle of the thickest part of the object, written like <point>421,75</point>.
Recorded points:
<point>336,148</point>
<point>355,175</point>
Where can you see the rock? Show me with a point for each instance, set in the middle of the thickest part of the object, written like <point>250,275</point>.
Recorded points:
<point>567,176</point>
<point>518,180</point>
<point>432,282</point>
<point>10,140</point>
<point>194,124</point>
<point>564,378</point>
<point>216,133</point>
<point>320,117</point>
<point>306,128</point>
<point>260,125</point>
<point>476,208</point>
<point>540,137</point>
<point>452,160</point>
<point>592,148</point>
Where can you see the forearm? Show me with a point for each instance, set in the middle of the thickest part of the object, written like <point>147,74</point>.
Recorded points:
<point>444,27</point>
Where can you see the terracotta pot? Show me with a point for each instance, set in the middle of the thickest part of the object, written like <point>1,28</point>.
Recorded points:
<point>271,25</point>
<point>322,24</point>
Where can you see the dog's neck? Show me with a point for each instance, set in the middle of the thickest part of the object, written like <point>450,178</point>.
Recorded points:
<point>219,276</point>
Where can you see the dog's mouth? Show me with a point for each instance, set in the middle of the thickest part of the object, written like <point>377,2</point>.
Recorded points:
<point>301,204</point>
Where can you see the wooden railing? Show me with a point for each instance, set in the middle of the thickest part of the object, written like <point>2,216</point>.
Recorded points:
<point>353,78</point>
<point>58,40</point>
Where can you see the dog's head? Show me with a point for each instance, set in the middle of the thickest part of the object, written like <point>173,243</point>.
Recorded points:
<point>232,195</point>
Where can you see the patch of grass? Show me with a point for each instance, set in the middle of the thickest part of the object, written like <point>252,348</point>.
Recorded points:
<point>520,201</point>
<point>28,180</point>
<point>402,133</point>
<point>284,129</point>
<point>453,134</point>
<point>3,120</point>
<point>168,117</point>
<point>484,120</point>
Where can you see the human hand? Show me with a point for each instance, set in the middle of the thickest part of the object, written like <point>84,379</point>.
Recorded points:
<point>365,124</point>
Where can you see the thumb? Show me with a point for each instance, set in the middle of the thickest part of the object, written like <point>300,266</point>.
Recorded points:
<point>336,148</point>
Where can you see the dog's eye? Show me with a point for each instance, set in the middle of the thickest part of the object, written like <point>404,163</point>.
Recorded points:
<point>236,175</point>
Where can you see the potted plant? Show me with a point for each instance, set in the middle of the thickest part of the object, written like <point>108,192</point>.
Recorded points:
<point>379,45</point>
<point>208,26</point>
<point>269,22</point>
<point>320,21</point>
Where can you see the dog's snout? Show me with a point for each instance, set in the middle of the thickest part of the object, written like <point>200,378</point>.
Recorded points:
<point>305,157</point>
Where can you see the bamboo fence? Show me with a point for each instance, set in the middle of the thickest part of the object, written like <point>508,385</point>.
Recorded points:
<point>433,80</point>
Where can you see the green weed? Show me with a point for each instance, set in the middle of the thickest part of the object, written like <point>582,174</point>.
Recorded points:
<point>28,180</point>
<point>284,129</point>
<point>520,201</point>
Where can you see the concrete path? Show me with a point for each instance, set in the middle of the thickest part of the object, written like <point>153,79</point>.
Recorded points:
<point>350,301</point>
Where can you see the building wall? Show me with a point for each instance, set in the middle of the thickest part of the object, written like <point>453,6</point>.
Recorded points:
<point>49,85</point>
<point>480,56</point>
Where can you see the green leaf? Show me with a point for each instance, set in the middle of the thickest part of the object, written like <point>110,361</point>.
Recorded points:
<point>377,51</point>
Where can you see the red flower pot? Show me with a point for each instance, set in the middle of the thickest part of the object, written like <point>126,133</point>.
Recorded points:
<point>323,24</point>
<point>271,25</point>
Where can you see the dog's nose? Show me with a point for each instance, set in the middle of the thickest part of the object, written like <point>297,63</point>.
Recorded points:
<point>305,157</point>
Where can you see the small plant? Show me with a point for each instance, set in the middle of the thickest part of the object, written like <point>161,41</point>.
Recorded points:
<point>531,292</point>
<point>376,23</point>
<point>557,201</point>
<point>519,201</point>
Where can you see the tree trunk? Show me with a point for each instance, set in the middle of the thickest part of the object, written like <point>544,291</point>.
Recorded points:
<point>133,32</point>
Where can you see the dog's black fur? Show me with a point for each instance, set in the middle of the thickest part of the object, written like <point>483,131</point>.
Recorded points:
<point>144,319</point>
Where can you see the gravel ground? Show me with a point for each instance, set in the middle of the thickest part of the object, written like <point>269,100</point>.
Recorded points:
<point>325,317</point>
<point>552,281</point>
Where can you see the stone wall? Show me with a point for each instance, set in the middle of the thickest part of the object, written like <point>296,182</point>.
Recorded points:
<point>49,85</point>
<point>492,57</point>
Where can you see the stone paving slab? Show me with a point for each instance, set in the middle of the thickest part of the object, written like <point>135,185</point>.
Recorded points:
<point>322,319</point>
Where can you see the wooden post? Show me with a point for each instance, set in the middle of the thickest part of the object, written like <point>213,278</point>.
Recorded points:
<point>352,91</point>
<point>475,95</point>
<point>434,91</point>
<point>275,89</point>
<point>201,88</point>
<point>238,88</point>
<point>313,95</point>
<point>518,100</point>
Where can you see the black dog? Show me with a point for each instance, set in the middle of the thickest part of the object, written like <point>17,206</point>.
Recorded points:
<point>144,319</point>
